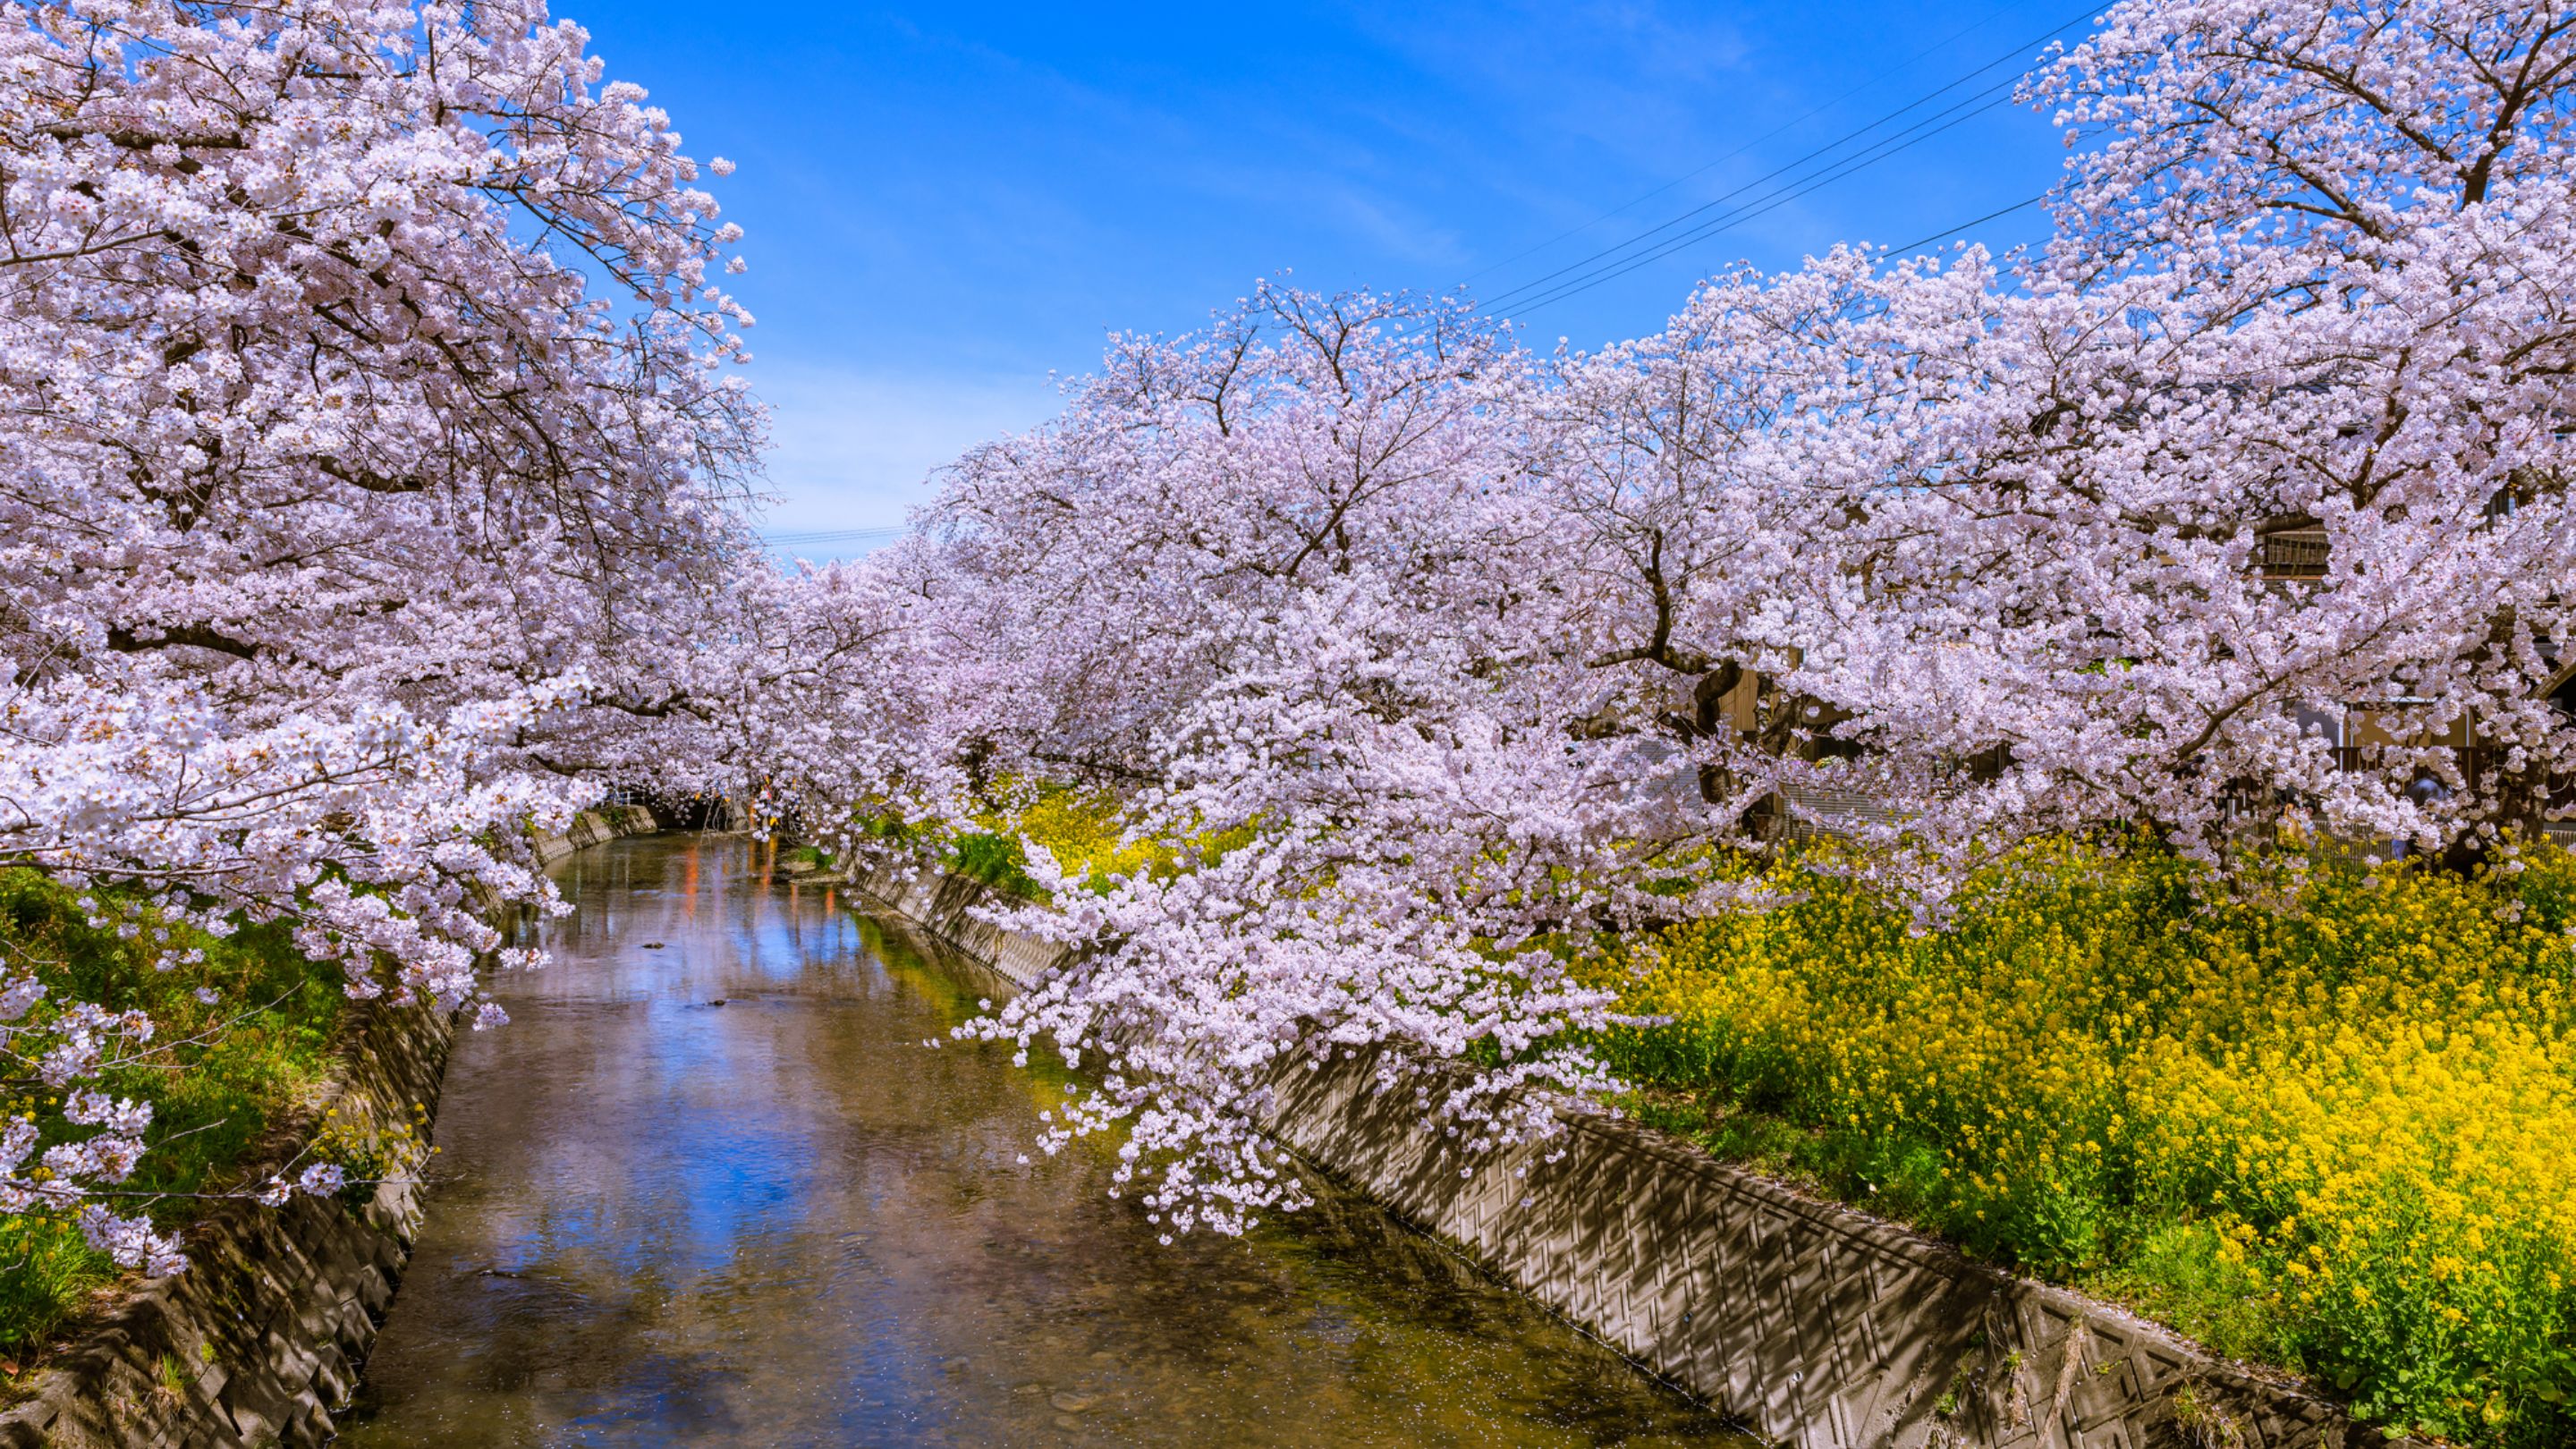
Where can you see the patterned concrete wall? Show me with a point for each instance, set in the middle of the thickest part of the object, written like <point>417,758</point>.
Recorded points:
<point>1815,1325</point>
<point>591,827</point>
<point>260,1340</point>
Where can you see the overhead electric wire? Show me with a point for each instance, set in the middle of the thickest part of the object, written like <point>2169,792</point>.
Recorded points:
<point>1549,283</point>
<point>826,535</point>
<point>2018,52</point>
<point>1757,207</point>
<point>1792,123</point>
<point>1542,283</point>
<point>1946,232</point>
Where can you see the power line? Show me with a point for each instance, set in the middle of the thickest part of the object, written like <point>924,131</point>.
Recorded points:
<point>826,535</point>
<point>1790,124</point>
<point>1768,202</point>
<point>1963,226</point>
<point>1556,289</point>
<point>2015,53</point>
<point>1757,207</point>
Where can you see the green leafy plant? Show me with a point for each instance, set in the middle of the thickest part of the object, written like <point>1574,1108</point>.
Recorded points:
<point>246,1026</point>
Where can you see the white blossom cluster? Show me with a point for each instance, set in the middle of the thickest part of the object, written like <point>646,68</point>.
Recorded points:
<point>2240,506</point>
<point>372,492</point>
<point>368,473</point>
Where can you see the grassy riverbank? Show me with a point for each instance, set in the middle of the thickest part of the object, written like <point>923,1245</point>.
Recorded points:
<point>2329,1129</point>
<point>218,1073</point>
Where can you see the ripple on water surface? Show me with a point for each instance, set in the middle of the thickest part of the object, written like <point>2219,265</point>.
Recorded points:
<point>783,1220</point>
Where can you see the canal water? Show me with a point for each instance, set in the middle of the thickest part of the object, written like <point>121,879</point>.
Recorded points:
<point>782,1220</point>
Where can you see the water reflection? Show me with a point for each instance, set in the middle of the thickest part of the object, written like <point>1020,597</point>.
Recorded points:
<point>781,1220</point>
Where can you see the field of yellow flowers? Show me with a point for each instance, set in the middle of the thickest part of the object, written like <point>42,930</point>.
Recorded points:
<point>2328,1121</point>
<point>1085,830</point>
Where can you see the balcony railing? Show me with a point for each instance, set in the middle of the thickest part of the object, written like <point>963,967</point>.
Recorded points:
<point>2300,554</point>
<point>2473,760</point>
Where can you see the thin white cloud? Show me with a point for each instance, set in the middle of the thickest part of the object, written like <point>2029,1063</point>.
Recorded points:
<point>852,448</point>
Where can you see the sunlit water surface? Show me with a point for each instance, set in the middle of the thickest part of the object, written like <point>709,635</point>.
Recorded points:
<point>783,1220</point>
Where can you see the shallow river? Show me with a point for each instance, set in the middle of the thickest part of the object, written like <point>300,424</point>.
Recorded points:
<point>656,1219</point>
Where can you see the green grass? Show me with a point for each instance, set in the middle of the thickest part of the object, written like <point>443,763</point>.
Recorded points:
<point>999,861</point>
<point>223,1074</point>
<point>2170,1271</point>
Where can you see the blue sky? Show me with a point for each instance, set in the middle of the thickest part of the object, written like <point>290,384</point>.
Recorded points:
<point>948,205</point>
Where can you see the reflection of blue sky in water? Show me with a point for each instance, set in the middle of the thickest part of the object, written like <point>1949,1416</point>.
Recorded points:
<point>784,1221</point>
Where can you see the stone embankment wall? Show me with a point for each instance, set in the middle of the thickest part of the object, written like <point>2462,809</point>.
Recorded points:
<point>260,1340</point>
<point>591,827</point>
<point>1810,1323</point>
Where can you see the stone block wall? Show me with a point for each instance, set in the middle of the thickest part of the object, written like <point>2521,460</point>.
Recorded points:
<point>591,827</point>
<point>1810,1323</point>
<point>260,1340</point>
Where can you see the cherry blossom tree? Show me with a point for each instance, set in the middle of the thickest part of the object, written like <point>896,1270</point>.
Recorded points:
<point>2240,504</point>
<point>1281,580</point>
<point>2260,506</point>
<point>2243,501</point>
<point>369,465</point>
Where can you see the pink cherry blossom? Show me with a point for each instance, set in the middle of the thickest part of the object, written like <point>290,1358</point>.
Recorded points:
<point>370,472</point>
<point>2241,503</point>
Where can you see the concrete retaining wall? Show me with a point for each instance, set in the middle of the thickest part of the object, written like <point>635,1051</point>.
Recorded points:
<point>260,1340</point>
<point>261,1337</point>
<point>591,827</point>
<point>1810,1323</point>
